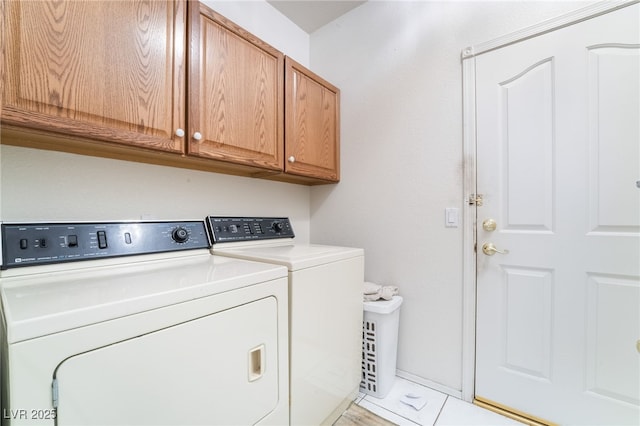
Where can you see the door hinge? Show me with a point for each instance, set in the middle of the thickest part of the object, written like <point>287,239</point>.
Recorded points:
<point>54,393</point>
<point>475,200</point>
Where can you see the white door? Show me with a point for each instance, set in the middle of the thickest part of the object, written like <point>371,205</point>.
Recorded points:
<point>558,158</point>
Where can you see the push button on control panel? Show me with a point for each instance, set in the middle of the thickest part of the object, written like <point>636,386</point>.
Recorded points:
<point>24,243</point>
<point>102,239</point>
<point>72,241</point>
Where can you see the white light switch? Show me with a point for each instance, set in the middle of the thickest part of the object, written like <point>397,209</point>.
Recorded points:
<point>451,217</point>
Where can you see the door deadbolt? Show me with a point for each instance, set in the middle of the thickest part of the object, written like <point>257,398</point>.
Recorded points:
<point>489,225</point>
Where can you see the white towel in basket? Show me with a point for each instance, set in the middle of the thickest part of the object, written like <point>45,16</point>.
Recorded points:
<point>376,292</point>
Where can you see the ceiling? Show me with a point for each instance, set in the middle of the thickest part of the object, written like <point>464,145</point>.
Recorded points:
<point>313,14</point>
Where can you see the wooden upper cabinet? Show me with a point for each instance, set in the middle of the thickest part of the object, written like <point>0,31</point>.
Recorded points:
<point>107,77</point>
<point>236,93</point>
<point>102,70</point>
<point>312,117</point>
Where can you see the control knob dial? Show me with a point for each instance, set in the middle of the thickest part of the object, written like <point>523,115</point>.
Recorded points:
<point>180,235</point>
<point>277,226</point>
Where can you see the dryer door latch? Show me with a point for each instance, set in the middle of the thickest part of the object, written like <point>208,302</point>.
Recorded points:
<point>54,393</point>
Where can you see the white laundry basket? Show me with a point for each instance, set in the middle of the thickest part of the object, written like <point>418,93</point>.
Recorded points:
<point>379,345</point>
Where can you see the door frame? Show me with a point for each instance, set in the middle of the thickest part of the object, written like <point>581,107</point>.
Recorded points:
<point>469,210</point>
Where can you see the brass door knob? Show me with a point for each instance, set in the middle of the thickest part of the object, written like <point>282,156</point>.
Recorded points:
<point>489,225</point>
<point>489,249</point>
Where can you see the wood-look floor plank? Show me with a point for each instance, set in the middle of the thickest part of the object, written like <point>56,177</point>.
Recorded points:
<point>358,416</point>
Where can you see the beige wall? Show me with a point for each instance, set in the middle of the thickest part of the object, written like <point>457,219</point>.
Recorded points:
<point>41,185</point>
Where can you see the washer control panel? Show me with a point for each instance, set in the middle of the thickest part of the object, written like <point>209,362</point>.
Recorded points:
<point>45,243</point>
<point>224,229</point>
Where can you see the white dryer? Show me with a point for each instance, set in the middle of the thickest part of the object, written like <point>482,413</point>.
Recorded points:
<point>168,335</point>
<point>325,310</point>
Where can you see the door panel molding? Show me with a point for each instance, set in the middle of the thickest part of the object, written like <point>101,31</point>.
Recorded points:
<point>527,117</point>
<point>620,131</point>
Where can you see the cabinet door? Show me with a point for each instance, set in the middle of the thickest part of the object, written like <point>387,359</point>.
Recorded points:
<point>312,133</point>
<point>105,70</point>
<point>235,93</point>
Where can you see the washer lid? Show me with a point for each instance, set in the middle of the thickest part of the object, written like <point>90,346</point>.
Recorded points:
<point>293,256</point>
<point>41,304</point>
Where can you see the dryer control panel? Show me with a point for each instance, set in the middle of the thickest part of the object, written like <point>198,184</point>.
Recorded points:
<point>223,229</point>
<point>46,243</point>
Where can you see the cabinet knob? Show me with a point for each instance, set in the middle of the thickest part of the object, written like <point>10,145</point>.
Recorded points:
<point>197,136</point>
<point>292,159</point>
<point>180,133</point>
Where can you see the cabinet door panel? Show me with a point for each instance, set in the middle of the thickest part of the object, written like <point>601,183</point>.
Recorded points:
<point>107,70</point>
<point>312,137</point>
<point>236,93</point>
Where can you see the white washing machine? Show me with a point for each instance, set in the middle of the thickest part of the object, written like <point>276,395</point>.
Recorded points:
<point>325,310</point>
<point>168,335</point>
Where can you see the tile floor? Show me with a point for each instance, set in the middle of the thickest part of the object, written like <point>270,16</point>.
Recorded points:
<point>440,409</point>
